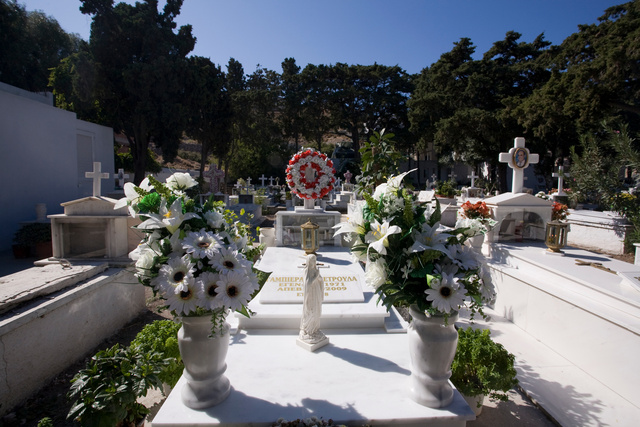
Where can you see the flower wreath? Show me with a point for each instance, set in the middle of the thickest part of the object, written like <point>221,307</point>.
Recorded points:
<point>297,174</point>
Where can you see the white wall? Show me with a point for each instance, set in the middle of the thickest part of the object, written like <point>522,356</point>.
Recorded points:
<point>39,160</point>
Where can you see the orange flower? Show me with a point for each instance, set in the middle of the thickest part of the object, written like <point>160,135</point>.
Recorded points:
<point>476,210</point>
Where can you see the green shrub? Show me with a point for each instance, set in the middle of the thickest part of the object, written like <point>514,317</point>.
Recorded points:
<point>482,366</point>
<point>104,393</point>
<point>30,234</point>
<point>446,189</point>
<point>161,336</point>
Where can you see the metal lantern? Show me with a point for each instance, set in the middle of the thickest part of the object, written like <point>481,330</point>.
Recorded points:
<point>556,235</point>
<point>310,241</point>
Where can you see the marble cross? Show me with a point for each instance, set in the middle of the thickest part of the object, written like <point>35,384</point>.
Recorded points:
<point>452,175</point>
<point>249,181</point>
<point>518,158</point>
<point>121,177</point>
<point>262,179</point>
<point>215,177</point>
<point>560,175</point>
<point>271,181</point>
<point>97,175</point>
<point>473,177</point>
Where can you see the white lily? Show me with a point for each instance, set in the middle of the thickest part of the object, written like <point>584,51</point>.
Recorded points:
<point>430,239</point>
<point>131,196</point>
<point>378,237</point>
<point>170,218</point>
<point>392,184</point>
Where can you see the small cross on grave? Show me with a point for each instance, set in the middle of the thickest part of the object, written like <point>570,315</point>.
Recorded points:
<point>97,175</point>
<point>238,187</point>
<point>262,180</point>
<point>560,175</point>
<point>452,175</point>
<point>271,181</point>
<point>121,177</point>
<point>434,180</point>
<point>518,158</point>
<point>215,177</point>
<point>473,177</point>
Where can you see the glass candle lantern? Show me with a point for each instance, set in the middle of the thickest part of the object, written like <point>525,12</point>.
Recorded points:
<point>310,241</point>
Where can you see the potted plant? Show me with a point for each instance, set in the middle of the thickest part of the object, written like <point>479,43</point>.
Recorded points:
<point>411,261</point>
<point>446,189</point>
<point>476,218</point>
<point>482,367</point>
<point>105,393</point>
<point>161,336</point>
<point>33,238</point>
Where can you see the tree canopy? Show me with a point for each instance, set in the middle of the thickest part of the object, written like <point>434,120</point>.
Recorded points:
<point>140,66</point>
<point>30,44</point>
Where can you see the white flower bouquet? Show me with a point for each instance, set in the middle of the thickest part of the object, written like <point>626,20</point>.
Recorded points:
<point>410,259</point>
<point>197,258</point>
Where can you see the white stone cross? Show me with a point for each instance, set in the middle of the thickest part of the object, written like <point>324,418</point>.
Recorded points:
<point>452,175</point>
<point>262,180</point>
<point>271,181</point>
<point>97,176</point>
<point>560,175</point>
<point>238,187</point>
<point>473,177</point>
<point>121,177</point>
<point>248,182</point>
<point>518,158</point>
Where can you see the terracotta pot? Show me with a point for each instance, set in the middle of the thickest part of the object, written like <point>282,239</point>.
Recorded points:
<point>43,250</point>
<point>20,251</point>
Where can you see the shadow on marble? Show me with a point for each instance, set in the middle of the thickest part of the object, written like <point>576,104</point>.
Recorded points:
<point>308,408</point>
<point>364,360</point>
<point>577,409</point>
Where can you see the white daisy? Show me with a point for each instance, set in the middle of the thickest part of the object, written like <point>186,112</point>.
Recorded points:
<point>446,294</point>
<point>185,300</point>
<point>228,259</point>
<point>209,292</point>
<point>236,289</point>
<point>201,244</point>
<point>464,256</point>
<point>176,274</point>
<point>487,289</point>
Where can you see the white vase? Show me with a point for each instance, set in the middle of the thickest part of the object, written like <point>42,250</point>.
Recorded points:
<point>309,203</point>
<point>432,347</point>
<point>475,403</point>
<point>204,361</point>
<point>477,241</point>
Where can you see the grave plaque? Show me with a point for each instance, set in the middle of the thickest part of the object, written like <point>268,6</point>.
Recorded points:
<point>245,199</point>
<point>343,279</point>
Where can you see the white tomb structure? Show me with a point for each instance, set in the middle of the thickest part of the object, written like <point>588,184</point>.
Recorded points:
<point>360,376</point>
<point>519,215</point>
<point>91,228</point>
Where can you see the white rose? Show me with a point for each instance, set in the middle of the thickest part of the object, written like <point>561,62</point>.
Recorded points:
<point>181,181</point>
<point>375,273</point>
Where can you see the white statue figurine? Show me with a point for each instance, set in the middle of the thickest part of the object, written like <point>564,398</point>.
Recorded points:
<point>313,288</point>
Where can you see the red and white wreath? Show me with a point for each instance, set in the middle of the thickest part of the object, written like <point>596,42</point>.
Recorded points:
<point>310,174</point>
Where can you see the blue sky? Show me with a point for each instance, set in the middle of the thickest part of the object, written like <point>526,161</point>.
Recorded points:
<point>409,33</point>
